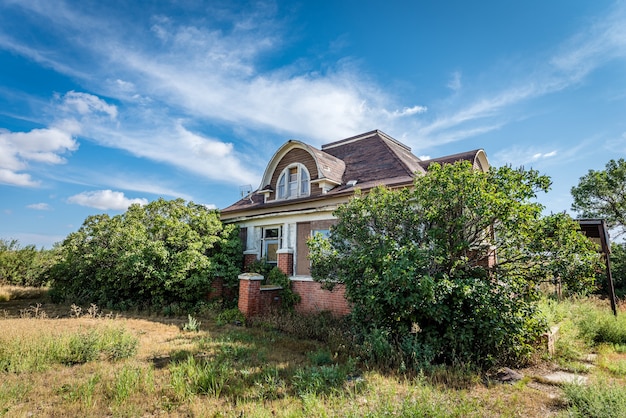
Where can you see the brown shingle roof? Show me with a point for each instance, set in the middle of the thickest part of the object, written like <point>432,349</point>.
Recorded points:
<point>451,159</point>
<point>370,159</point>
<point>374,156</point>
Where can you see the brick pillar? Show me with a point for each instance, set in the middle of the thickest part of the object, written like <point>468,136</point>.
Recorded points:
<point>285,261</point>
<point>249,293</point>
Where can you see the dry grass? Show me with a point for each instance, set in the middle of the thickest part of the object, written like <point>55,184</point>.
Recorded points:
<point>8,292</point>
<point>259,366</point>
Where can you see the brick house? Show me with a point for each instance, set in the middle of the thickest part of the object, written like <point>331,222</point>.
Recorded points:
<point>299,191</point>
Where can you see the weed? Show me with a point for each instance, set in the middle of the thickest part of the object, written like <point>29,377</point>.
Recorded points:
<point>600,399</point>
<point>192,325</point>
<point>36,354</point>
<point>130,380</point>
<point>76,311</point>
<point>320,357</point>
<point>230,316</point>
<point>198,377</point>
<point>602,327</point>
<point>33,311</point>
<point>271,386</point>
<point>318,380</point>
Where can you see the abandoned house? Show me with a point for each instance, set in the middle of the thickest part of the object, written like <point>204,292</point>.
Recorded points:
<point>299,191</point>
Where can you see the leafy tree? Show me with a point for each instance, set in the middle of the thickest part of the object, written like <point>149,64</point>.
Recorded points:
<point>161,254</point>
<point>24,265</point>
<point>602,194</point>
<point>447,271</point>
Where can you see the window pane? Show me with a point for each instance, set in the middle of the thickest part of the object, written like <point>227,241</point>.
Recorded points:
<point>281,186</point>
<point>271,233</point>
<point>304,185</point>
<point>324,232</point>
<point>271,248</point>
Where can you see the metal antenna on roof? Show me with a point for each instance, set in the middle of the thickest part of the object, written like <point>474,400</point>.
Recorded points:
<point>246,191</point>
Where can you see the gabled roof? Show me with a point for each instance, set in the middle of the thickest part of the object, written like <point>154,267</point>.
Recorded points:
<point>374,156</point>
<point>364,161</point>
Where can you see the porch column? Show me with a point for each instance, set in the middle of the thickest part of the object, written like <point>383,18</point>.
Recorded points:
<point>249,293</point>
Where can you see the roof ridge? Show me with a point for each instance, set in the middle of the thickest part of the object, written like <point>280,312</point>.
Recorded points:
<point>364,136</point>
<point>395,155</point>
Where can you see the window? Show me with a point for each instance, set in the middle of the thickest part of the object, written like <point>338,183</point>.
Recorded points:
<point>293,182</point>
<point>272,240</point>
<point>324,232</point>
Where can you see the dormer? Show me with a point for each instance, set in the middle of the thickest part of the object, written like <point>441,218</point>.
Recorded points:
<point>298,170</point>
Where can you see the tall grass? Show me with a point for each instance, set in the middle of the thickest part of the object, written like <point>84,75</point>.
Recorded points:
<point>600,399</point>
<point>27,354</point>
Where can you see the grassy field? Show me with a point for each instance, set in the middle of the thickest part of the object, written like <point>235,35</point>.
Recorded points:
<point>60,360</point>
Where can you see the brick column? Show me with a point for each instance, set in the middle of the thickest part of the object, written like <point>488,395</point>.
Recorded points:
<point>249,293</point>
<point>285,261</point>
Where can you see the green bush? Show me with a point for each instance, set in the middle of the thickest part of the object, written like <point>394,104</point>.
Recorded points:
<point>274,276</point>
<point>598,325</point>
<point>164,254</point>
<point>230,316</point>
<point>419,269</point>
<point>25,265</point>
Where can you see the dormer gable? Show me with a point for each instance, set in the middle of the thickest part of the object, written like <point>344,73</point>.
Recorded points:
<point>299,170</point>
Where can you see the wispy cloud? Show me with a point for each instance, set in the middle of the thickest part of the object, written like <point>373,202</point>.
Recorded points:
<point>522,156</point>
<point>617,145</point>
<point>455,83</point>
<point>39,206</point>
<point>105,200</point>
<point>220,80</point>
<point>575,59</point>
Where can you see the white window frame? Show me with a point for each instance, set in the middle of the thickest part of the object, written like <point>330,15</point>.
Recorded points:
<point>287,188</point>
<point>265,241</point>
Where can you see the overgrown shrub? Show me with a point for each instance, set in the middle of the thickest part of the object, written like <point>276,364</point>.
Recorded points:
<point>447,272</point>
<point>274,276</point>
<point>164,254</point>
<point>24,265</point>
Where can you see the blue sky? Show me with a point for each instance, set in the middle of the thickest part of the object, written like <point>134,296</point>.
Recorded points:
<point>103,104</point>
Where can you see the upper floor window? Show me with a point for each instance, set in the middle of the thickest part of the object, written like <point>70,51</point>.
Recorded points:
<point>293,182</point>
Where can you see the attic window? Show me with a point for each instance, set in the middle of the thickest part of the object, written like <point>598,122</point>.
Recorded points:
<point>293,182</point>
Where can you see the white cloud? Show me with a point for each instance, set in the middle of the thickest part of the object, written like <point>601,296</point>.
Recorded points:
<point>16,179</point>
<point>518,156</point>
<point>86,104</point>
<point>39,206</point>
<point>408,111</point>
<point>105,200</point>
<point>18,149</point>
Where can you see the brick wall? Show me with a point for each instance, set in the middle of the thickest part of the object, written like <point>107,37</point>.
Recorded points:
<point>314,299</point>
<point>285,262</point>
<point>248,259</point>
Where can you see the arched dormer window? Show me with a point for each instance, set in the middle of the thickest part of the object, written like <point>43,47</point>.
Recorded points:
<point>293,182</point>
